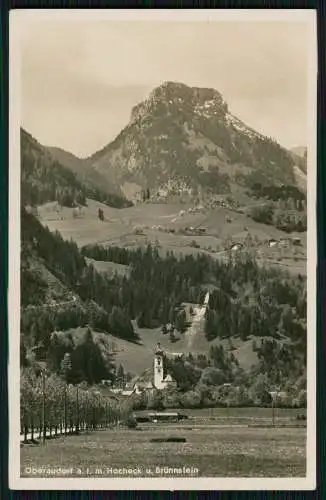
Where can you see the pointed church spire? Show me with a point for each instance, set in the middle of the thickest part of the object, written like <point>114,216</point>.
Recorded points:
<point>158,349</point>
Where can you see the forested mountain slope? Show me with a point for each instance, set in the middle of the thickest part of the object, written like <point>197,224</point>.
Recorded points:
<point>44,178</point>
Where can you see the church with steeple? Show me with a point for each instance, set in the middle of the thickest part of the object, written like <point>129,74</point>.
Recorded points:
<point>161,381</point>
<point>152,379</point>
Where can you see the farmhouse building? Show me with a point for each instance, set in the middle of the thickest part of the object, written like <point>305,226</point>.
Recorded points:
<point>272,243</point>
<point>157,416</point>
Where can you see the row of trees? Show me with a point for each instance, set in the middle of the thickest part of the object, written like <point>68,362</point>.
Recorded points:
<point>49,406</point>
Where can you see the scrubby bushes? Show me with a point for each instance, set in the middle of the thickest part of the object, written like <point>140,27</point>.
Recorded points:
<point>131,421</point>
<point>287,220</point>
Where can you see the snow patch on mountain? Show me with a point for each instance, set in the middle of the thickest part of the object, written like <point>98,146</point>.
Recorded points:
<point>241,127</point>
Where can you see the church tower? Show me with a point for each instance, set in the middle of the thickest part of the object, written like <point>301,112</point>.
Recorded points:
<point>159,368</point>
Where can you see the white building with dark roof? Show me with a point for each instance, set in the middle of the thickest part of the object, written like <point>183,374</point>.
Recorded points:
<point>161,381</point>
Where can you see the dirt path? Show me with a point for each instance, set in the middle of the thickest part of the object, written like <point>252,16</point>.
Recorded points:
<point>197,326</point>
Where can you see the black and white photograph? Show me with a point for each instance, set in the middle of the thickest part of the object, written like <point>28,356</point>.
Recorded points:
<point>162,250</point>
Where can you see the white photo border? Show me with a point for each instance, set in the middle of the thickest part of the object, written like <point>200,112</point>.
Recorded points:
<point>19,20</point>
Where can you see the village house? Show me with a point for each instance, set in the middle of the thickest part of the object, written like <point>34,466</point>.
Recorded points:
<point>272,243</point>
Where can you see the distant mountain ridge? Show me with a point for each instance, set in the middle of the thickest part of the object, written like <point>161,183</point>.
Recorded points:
<point>299,155</point>
<point>300,151</point>
<point>51,174</point>
<point>187,135</point>
<point>179,140</point>
<point>82,169</point>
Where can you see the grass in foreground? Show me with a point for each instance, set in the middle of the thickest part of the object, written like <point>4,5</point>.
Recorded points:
<point>215,452</point>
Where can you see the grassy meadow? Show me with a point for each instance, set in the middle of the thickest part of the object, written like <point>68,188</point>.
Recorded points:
<point>135,357</point>
<point>119,224</point>
<point>228,450</point>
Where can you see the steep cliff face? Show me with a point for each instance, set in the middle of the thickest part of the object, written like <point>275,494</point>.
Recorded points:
<point>187,134</point>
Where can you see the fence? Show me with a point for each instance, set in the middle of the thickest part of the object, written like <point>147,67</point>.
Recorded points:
<point>50,407</point>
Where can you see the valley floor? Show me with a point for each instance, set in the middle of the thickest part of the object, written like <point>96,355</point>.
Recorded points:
<point>218,451</point>
<point>226,449</point>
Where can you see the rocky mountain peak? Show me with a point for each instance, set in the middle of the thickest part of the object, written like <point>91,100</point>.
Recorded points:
<point>187,135</point>
<point>175,96</point>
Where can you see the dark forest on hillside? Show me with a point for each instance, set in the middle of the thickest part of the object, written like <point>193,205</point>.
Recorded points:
<point>247,300</point>
<point>44,179</point>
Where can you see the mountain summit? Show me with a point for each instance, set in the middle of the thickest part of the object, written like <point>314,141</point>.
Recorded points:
<point>191,99</point>
<point>186,137</point>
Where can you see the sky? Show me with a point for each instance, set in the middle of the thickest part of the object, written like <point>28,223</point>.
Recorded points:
<point>80,79</point>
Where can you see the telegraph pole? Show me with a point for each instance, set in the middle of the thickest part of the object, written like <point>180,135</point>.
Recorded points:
<point>65,410</point>
<point>43,406</point>
<point>99,412</point>
<point>273,395</point>
<point>86,410</point>
<point>77,412</point>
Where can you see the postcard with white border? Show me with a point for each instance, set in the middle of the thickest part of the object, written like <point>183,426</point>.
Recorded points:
<point>162,249</point>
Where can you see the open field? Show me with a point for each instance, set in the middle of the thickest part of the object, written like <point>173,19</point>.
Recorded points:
<point>233,416</point>
<point>136,357</point>
<point>248,412</point>
<point>220,451</point>
<point>109,268</point>
<point>221,225</point>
